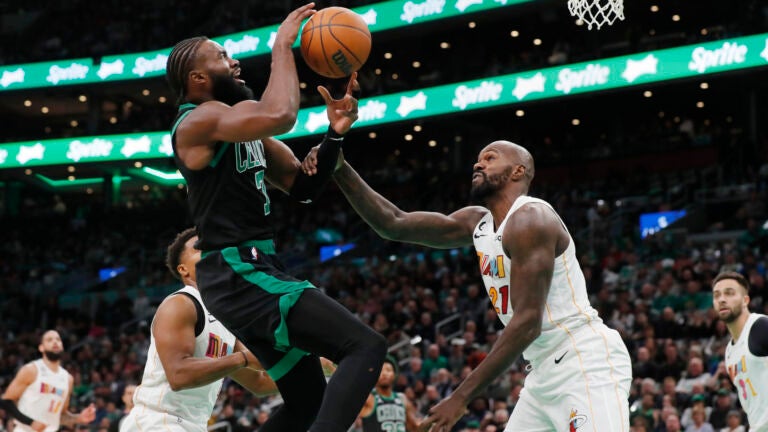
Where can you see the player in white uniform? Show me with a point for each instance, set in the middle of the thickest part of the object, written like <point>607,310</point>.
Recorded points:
<point>746,356</point>
<point>581,369</point>
<point>190,353</point>
<point>42,389</point>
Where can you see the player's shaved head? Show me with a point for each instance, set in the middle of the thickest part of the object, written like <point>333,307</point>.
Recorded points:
<point>517,154</point>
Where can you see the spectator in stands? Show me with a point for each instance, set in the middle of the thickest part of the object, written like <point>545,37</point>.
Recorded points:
<point>698,402</point>
<point>433,361</point>
<point>695,374</point>
<point>127,399</point>
<point>718,417</point>
<point>672,424</point>
<point>643,366</point>
<point>700,423</point>
<point>734,422</point>
<point>671,365</point>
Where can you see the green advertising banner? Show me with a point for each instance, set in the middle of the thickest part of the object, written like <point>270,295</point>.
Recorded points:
<point>379,16</point>
<point>593,76</point>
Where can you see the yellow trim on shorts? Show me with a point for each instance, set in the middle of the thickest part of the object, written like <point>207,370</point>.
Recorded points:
<point>605,341</point>
<point>581,363</point>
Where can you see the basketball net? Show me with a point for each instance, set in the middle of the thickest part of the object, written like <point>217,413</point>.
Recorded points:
<point>597,12</point>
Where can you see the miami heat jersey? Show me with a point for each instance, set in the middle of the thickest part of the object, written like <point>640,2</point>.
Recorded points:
<point>567,306</point>
<point>43,400</point>
<point>196,404</point>
<point>749,374</point>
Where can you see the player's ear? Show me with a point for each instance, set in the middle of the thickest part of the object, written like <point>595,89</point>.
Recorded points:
<point>197,76</point>
<point>183,271</point>
<point>519,171</point>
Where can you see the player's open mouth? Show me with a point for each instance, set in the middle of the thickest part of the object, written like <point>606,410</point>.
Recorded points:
<point>236,77</point>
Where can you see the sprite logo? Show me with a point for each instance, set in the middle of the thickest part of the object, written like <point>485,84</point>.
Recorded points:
<point>10,77</point>
<point>592,75</point>
<point>487,91</point>
<point>96,148</point>
<point>144,65</point>
<point>244,45</point>
<point>730,53</point>
<point>73,72</point>
<point>412,10</point>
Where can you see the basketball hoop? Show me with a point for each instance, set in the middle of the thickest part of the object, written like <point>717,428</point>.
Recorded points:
<point>597,12</point>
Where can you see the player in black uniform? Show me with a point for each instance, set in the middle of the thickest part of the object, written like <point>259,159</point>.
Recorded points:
<point>222,145</point>
<point>387,410</point>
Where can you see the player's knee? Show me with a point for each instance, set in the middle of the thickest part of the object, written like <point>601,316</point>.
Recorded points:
<point>377,346</point>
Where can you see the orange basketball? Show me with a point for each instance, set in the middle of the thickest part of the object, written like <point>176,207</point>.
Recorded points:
<point>335,42</point>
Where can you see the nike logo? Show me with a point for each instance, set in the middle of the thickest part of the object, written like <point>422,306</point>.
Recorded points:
<point>480,228</point>
<point>211,318</point>
<point>557,360</point>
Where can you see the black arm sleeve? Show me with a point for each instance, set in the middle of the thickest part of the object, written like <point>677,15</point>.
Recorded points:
<point>10,407</point>
<point>306,188</point>
<point>758,337</point>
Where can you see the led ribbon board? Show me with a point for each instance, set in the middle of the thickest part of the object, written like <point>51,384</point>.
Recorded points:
<point>593,76</point>
<point>378,16</point>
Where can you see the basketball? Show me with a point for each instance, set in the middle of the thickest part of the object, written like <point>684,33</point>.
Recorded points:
<point>335,42</point>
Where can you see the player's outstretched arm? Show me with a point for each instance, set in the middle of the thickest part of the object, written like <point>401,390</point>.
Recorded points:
<point>174,332</point>
<point>390,222</point>
<point>530,240</point>
<point>21,381</point>
<point>305,185</point>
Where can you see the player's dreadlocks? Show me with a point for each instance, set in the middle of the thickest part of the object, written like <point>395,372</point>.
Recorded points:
<point>180,63</point>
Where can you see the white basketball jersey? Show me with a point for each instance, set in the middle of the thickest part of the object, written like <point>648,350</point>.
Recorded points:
<point>43,400</point>
<point>749,374</point>
<point>567,306</point>
<point>195,404</point>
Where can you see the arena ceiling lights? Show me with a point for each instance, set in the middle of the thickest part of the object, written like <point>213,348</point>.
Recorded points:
<point>579,78</point>
<point>379,16</point>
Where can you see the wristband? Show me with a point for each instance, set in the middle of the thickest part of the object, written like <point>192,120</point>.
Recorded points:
<point>333,135</point>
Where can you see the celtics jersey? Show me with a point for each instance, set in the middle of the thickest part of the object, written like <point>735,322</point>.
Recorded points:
<point>749,374</point>
<point>228,199</point>
<point>388,414</point>
<point>43,400</point>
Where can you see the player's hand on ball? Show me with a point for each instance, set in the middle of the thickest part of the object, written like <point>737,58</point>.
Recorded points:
<point>289,29</point>
<point>37,426</point>
<point>342,112</point>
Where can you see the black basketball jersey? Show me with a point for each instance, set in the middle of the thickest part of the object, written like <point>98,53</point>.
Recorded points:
<point>388,414</point>
<point>227,199</point>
